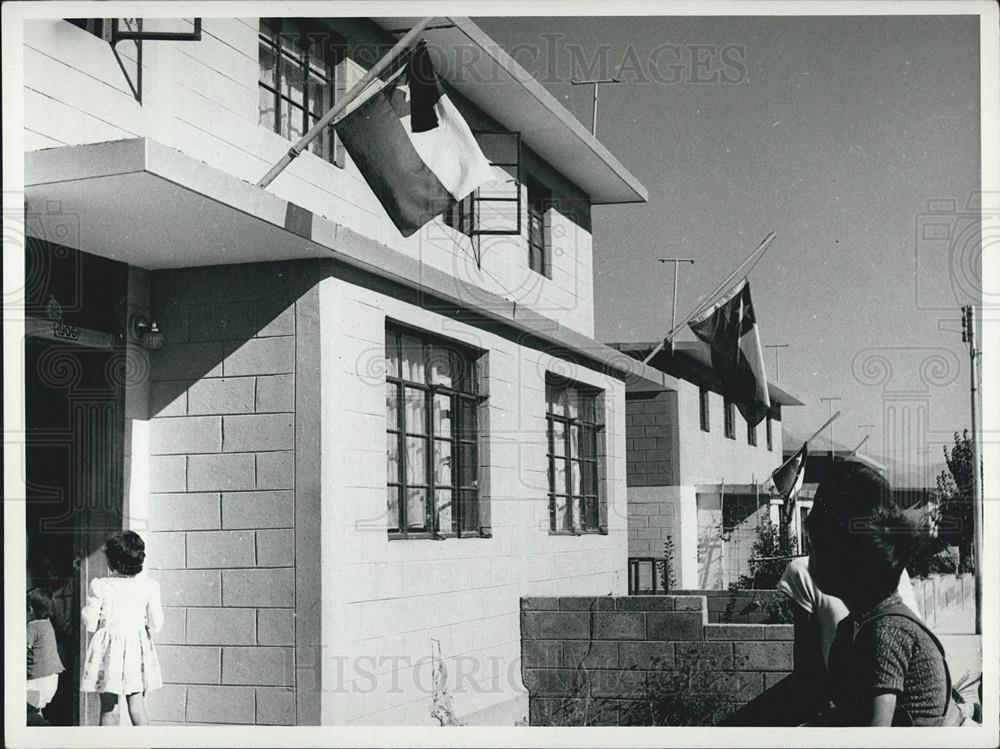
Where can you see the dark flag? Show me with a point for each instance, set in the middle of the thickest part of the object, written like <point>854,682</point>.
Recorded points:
<point>788,479</point>
<point>413,147</point>
<point>729,327</point>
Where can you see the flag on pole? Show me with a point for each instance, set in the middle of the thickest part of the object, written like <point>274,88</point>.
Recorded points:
<point>413,148</point>
<point>788,479</point>
<point>729,327</point>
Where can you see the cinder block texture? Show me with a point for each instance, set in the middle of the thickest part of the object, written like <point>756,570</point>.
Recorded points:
<point>643,660</point>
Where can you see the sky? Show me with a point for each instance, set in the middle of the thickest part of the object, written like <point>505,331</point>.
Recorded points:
<point>855,139</point>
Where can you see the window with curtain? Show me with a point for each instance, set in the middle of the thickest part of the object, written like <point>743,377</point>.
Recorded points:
<point>432,437</point>
<point>575,430</point>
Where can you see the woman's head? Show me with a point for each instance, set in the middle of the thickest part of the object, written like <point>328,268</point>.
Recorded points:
<point>861,539</point>
<point>40,603</point>
<point>125,552</point>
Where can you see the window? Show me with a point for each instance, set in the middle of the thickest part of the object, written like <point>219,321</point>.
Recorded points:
<point>730,419</point>
<point>703,410</point>
<point>297,79</point>
<point>751,434</point>
<point>574,418</point>
<point>770,438</point>
<point>432,432</point>
<point>539,201</point>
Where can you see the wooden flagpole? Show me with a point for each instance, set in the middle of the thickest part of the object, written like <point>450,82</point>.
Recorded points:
<point>341,105</point>
<point>710,299</point>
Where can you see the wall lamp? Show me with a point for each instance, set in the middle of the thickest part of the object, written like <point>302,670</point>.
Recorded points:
<point>146,332</point>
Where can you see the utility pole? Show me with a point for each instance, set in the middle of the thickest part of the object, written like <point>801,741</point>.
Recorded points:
<point>673,299</point>
<point>595,82</point>
<point>777,362</point>
<point>969,336</point>
<point>830,401</point>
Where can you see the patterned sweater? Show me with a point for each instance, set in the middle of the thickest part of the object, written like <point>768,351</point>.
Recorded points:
<point>891,654</point>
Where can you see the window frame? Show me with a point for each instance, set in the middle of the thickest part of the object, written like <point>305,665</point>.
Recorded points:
<point>539,202</point>
<point>463,439</point>
<point>729,424</point>
<point>770,434</point>
<point>590,434</point>
<point>306,33</point>
<point>751,434</point>
<point>704,410</point>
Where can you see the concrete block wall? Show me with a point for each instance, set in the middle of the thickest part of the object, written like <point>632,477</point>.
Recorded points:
<point>643,660</point>
<point>221,509</point>
<point>651,447</point>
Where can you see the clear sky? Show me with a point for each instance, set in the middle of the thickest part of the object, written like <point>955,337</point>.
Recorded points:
<point>832,132</point>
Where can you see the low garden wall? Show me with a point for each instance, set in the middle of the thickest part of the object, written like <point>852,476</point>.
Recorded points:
<point>941,595</point>
<point>644,660</point>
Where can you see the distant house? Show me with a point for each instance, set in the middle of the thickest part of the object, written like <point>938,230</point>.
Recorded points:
<point>696,471</point>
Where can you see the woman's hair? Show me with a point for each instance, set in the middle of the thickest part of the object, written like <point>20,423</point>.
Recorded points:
<point>855,515</point>
<point>126,552</point>
<point>41,603</point>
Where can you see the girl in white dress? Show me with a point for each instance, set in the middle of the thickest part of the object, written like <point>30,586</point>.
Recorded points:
<point>123,610</point>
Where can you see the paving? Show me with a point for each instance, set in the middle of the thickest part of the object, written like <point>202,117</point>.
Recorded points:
<point>956,630</point>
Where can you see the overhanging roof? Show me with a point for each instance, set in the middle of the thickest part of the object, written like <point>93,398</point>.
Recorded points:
<point>692,361</point>
<point>153,207</point>
<point>499,86</point>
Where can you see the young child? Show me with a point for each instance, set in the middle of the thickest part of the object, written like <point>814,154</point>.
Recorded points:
<point>44,664</point>
<point>885,666</point>
<point>122,611</point>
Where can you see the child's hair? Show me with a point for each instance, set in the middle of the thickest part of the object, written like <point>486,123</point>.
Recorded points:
<point>856,514</point>
<point>125,552</point>
<point>41,603</point>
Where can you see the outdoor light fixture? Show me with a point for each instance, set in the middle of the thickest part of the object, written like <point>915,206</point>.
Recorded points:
<point>147,333</point>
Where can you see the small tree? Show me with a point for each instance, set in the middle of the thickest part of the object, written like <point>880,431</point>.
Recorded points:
<point>956,516</point>
<point>771,551</point>
<point>668,577</point>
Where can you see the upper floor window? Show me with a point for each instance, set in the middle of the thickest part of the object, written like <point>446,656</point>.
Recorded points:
<point>728,410</point>
<point>432,433</point>
<point>770,438</point>
<point>703,413</point>
<point>575,429</point>
<point>751,434</point>
<point>539,201</point>
<point>298,60</point>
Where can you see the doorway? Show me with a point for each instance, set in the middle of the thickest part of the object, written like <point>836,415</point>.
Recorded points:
<point>74,418</point>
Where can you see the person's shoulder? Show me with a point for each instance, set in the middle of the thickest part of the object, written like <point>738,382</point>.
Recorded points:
<point>41,628</point>
<point>893,631</point>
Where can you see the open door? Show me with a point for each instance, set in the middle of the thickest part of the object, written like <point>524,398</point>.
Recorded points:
<point>75,452</point>
<point>75,428</point>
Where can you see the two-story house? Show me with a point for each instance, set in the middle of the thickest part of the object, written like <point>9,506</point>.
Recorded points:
<point>350,452</point>
<point>697,473</point>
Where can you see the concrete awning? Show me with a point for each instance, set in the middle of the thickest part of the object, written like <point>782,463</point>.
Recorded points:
<point>498,85</point>
<point>153,207</point>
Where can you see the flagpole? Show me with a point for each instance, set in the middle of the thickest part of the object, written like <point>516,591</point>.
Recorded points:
<point>812,437</point>
<point>855,450</point>
<point>405,41</point>
<point>759,252</point>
